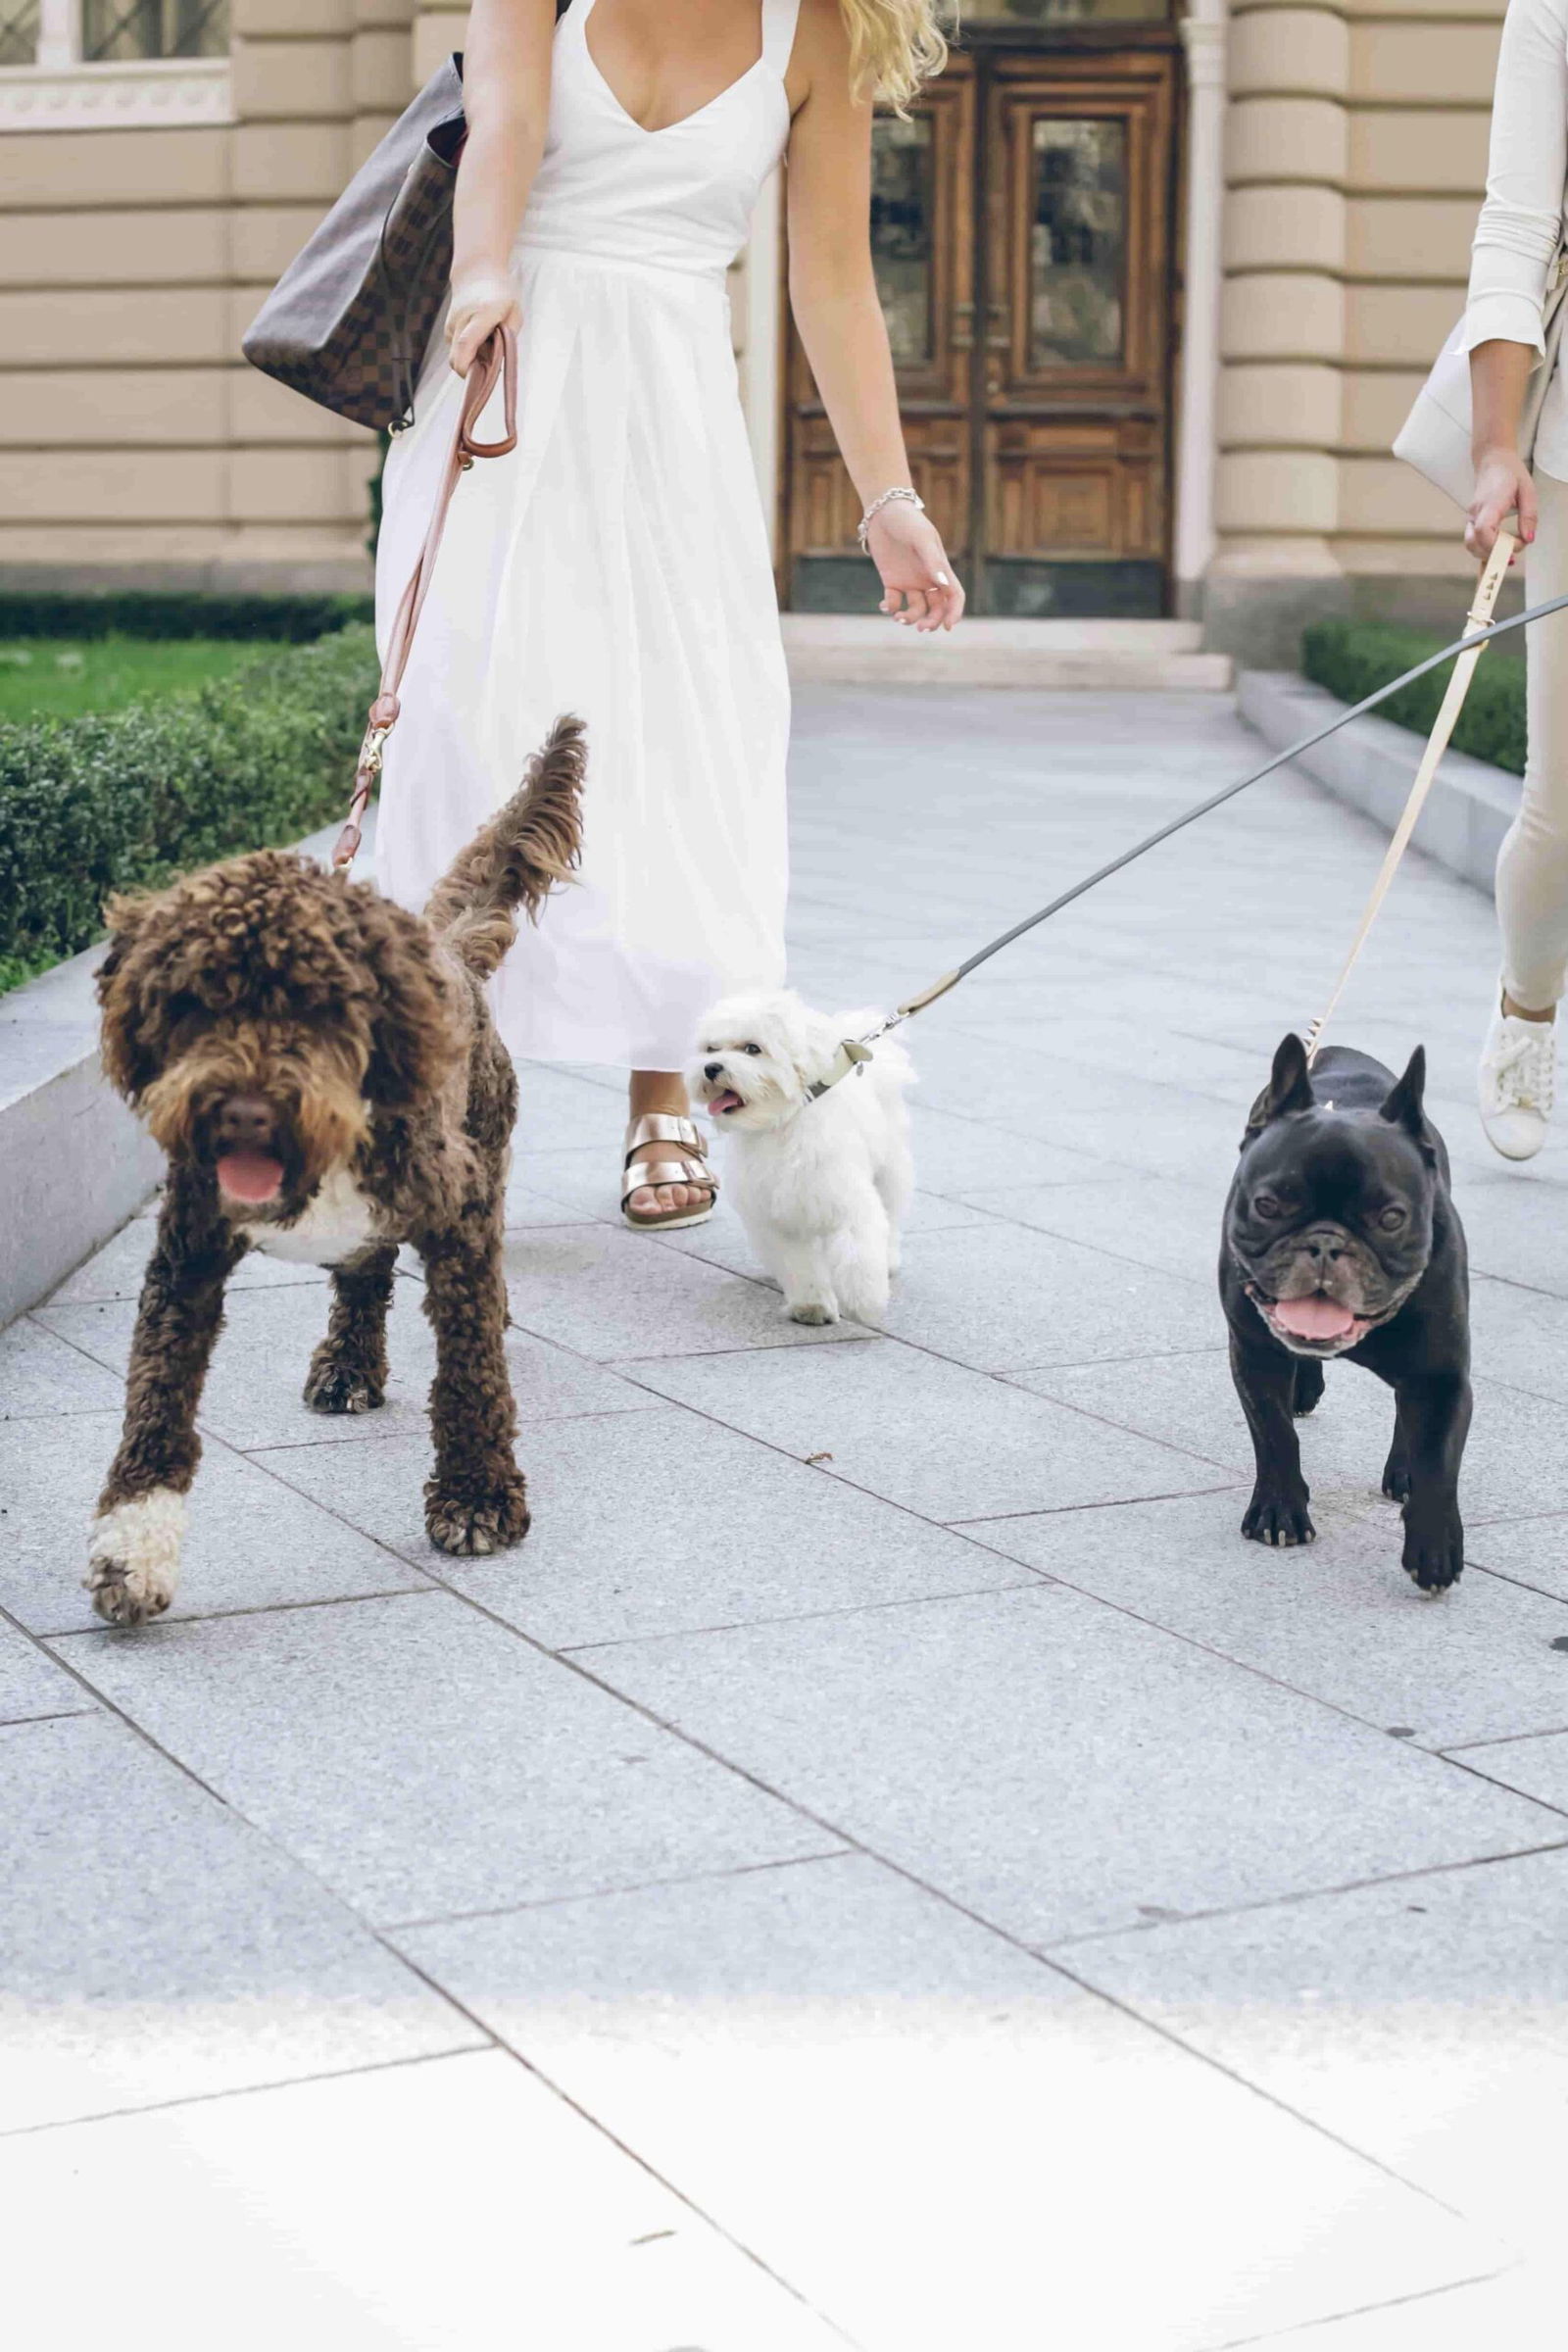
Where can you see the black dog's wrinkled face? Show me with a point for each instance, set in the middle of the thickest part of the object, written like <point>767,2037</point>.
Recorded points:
<point>1330,1214</point>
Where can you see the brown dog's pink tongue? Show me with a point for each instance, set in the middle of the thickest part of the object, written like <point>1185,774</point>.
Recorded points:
<point>1315,1318</point>
<point>250,1175</point>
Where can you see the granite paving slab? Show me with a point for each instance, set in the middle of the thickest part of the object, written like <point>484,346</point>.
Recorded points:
<point>438,2207</point>
<point>253,1398</point>
<point>604,1293</point>
<point>421,1759</point>
<point>1517,1225</point>
<point>1515,1462</point>
<point>1537,1766</point>
<point>34,1685</point>
<point>1531,1551</point>
<point>1425,2020</point>
<point>250,1542</point>
<point>1001,1297</point>
<point>115,1270</point>
<point>660,1522</point>
<point>1153,1220</point>
<point>1338,1618</point>
<point>154,1948</point>
<point>931,1436</point>
<point>1520,2307</point>
<point>41,1375</point>
<point>1035,1754</point>
<point>934,2138</point>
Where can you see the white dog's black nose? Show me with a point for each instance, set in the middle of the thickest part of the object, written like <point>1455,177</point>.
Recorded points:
<point>713,1069</point>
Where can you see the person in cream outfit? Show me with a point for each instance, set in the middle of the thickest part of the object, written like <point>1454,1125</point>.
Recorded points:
<point>1518,241</point>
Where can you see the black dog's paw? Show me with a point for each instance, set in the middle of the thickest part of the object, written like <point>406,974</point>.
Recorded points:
<point>1434,1553</point>
<point>1276,1519</point>
<point>333,1385</point>
<point>1307,1393</point>
<point>476,1522</point>
<point>1396,1478</point>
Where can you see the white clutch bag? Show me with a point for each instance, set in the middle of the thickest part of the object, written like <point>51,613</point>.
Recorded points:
<point>1435,438</point>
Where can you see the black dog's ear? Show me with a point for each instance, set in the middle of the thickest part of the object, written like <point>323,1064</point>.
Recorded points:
<point>1290,1086</point>
<point>1403,1105</point>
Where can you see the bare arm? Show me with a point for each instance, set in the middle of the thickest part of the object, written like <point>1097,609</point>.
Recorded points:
<point>1500,373</point>
<point>834,298</point>
<point>506,93</point>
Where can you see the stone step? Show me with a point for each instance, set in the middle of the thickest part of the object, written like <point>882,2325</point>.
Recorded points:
<point>853,648</point>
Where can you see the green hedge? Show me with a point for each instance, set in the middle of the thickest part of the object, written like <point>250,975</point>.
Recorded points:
<point>89,805</point>
<point>291,619</point>
<point>1353,659</point>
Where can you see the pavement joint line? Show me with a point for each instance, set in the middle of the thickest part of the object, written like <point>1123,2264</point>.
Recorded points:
<point>1064,1510</point>
<point>1457,1757</point>
<point>14,1723</point>
<point>262,1608</point>
<point>245,2091</point>
<point>1457,1748</point>
<point>596,1895</point>
<point>1306,1895</point>
<point>1033,1579</point>
<point>1018,1943</point>
<point>1361,2311</point>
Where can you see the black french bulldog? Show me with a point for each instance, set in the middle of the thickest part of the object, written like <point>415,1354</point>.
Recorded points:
<point>1342,1239</point>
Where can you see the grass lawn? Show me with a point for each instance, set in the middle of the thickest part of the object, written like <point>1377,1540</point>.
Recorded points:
<point>47,677</point>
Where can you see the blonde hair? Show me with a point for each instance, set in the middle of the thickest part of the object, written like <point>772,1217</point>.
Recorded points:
<point>895,45</point>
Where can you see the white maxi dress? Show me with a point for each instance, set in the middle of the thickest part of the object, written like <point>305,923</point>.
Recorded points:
<point>616,564</point>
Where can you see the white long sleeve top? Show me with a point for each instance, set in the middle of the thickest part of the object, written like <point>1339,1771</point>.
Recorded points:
<point>1521,224</point>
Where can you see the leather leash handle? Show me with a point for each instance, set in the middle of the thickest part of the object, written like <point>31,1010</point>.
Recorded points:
<point>1493,572</point>
<point>496,361</point>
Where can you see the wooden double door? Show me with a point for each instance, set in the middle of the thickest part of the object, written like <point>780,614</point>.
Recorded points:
<point>1021,230</point>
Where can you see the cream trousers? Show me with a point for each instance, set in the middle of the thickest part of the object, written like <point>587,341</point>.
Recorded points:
<point>1532,862</point>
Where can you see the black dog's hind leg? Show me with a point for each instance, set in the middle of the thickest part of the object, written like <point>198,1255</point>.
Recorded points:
<point>475,1500</point>
<point>1265,1383</point>
<point>348,1371</point>
<point>133,1563</point>
<point>1434,1421</point>
<point>1397,1469</point>
<point>1308,1393</point>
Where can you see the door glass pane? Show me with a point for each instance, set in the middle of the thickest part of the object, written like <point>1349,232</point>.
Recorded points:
<point>901,234</point>
<point>1078,243</point>
<point>19,32</point>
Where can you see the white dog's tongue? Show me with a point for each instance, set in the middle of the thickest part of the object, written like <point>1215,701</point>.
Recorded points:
<point>1315,1318</point>
<point>727,1101</point>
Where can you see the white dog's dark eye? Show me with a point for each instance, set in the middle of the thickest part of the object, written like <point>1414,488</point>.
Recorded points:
<point>751,1049</point>
<point>1392,1218</point>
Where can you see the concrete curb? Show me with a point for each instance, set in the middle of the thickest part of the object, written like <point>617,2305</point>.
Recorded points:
<point>73,1162</point>
<point>1371,764</point>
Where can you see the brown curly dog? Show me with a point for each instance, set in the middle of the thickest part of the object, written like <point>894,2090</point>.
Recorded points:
<point>322,1069</point>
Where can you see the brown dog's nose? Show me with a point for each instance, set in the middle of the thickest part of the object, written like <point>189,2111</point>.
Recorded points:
<point>245,1123</point>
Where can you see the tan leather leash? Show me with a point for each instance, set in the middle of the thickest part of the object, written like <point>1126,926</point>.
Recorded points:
<point>496,360</point>
<point>1492,574</point>
<point>852,1051</point>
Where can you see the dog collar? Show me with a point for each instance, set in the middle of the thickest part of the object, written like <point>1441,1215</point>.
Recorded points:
<point>848,1057</point>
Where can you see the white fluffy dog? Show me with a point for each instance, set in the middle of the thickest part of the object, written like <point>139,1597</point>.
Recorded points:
<point>821,1185</point>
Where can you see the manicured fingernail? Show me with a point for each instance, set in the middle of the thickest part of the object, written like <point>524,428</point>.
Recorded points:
<point>943,580</point>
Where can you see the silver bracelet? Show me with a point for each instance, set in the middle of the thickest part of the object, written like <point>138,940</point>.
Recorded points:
<point>911,497</point>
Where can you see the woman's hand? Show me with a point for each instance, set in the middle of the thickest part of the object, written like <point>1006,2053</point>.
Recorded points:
<point>921,588</point>
<point>1503,487</point>
<point>477,308</point>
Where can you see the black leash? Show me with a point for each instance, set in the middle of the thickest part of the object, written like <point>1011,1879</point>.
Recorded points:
<point>852,1051</point>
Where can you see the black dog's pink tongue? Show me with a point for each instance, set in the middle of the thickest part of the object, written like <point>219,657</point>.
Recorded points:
<point>252,1176</point>
<point>1315,1318</point>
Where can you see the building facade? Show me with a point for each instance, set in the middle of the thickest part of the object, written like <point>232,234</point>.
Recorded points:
<point>1161,282</point>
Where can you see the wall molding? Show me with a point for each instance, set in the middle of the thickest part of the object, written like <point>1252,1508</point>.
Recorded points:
<point>141,94</point>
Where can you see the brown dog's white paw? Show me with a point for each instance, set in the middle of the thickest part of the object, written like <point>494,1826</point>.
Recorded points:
<point>133,1564</point>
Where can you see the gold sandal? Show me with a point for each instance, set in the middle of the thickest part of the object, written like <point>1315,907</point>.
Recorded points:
<point>664,1127</point>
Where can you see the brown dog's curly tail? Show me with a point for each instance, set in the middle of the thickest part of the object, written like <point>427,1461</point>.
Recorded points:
<point>519,859</point>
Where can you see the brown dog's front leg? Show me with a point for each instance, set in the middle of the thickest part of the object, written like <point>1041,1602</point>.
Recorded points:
<point>133,1564</point>
<point>475,1502</point>
<point>348,1371</point>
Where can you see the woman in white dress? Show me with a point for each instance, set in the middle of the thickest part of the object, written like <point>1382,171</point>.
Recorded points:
<point>616,564</point>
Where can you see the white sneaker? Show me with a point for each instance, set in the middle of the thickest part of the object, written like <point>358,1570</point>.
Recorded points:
<point>1517,1083</point>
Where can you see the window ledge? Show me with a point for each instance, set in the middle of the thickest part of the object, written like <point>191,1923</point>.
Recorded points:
<point>141,94</point>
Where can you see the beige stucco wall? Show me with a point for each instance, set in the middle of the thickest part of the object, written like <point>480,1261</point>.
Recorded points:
<point>1356,162</point>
